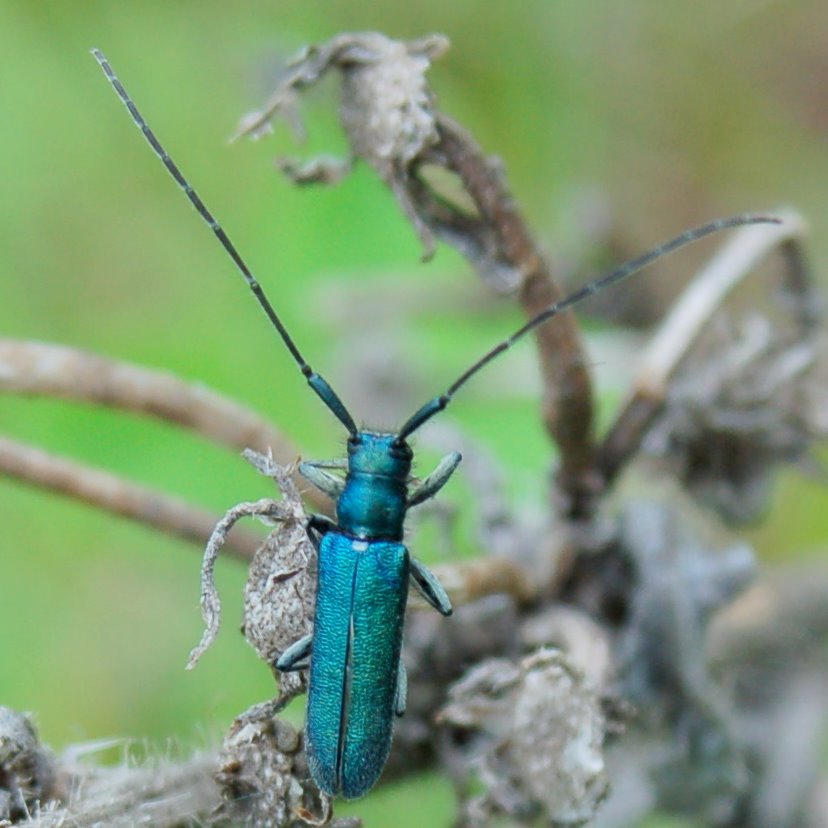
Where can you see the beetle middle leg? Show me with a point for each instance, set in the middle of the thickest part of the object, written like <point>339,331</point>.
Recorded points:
<point>430,587</point>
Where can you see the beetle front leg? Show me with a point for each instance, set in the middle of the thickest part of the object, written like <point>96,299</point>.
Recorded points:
<point>315,472</point>
<point>436,480</point>
<point>430,587</point>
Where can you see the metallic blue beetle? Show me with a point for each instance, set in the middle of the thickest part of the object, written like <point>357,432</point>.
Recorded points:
<point>357,681</point>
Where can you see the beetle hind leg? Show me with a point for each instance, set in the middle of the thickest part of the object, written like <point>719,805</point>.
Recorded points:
<point>296,657</point>
<point>401,696</point>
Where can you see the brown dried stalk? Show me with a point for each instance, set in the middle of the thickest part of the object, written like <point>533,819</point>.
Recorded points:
<point>114,494</point>
<point>44,369</point>
<point>567,406</point>
<point>465,580</point>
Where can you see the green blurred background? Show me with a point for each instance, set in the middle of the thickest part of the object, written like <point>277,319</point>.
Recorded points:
<point>665,113</point>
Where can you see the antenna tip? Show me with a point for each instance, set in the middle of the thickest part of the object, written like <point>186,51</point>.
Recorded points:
<point>762,218</point>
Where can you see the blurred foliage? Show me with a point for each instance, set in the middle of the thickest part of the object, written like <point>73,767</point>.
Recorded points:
<point>671,113</point>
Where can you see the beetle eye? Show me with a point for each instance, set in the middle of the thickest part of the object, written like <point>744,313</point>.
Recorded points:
<point>401,449</point>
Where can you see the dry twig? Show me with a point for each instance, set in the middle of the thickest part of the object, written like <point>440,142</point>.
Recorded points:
<point>107,491</point>
<point>44,369</point>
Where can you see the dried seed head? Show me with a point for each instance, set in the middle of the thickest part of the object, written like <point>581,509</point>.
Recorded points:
<point>534,733</point>
<point>263,778</point>
<point>28,773</point>
<point>734,417</point>
<point>386,109</point>
<point>280,590</point>
<point>281,582</point>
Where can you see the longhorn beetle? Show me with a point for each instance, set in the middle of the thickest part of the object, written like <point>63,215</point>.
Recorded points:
<point>357,680</point>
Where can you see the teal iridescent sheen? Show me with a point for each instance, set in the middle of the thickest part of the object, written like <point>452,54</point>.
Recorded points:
<point>360,603</point>
<point>373,503</point>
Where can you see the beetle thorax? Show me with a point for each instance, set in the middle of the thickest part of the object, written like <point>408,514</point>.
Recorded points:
<point>373,502</point>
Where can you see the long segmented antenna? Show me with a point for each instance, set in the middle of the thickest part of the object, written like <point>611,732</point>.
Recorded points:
<point>620,273</point>
<point>318,383</point>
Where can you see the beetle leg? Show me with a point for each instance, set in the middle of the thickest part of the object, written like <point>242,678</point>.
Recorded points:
<point>435,481</point>
<point>315,472</point>
<point>296,656</point>
<point>402,690</point>
<point>336,463</point>
<point>429,587</point>
<point>317,526</point>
